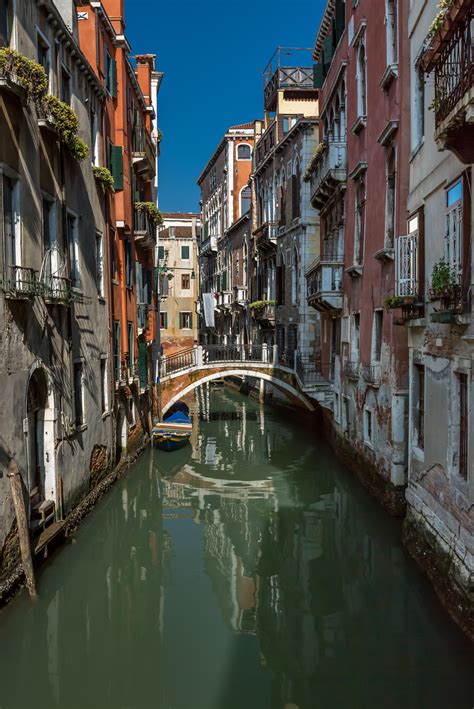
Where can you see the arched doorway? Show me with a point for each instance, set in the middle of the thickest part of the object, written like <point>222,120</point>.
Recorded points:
<point>42,483</point>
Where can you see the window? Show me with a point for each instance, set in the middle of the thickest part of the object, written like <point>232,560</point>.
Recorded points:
<point>73,248</point>
<point>94,138</point>
<point>391,22</point>
<point>453,237</point>
<point>368,426</point>
<point>418,107</point>
<point>99,263</point>
<point>65,85</point>
<point>161,253</point>
<point>185,253</point>
<point>390,200</point>
<point>110,70</point>
<point>361,82</point>
<point>11,220</point>
<point>78,394</point>
<point>6,22</point>
<point>103,385</point>
<point>185,281</point>
<point>42,52</point>
<point>359,224</point>
<point>117,350</point>
<point>419,413</point>
<point>163,320</point>
<point>377,336</point>
<point>288,123</point>
<point>245,200</point>
<point>244,152</point>
<point>128,264</point>
<point>185,321</point>
<point>355,342</point>
<point>130,342</point>
<point>463,424</point>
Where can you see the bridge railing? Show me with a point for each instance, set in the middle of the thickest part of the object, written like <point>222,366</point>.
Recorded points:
<point>178,361</point>
<point>311,372</point>
<point>235,353</point>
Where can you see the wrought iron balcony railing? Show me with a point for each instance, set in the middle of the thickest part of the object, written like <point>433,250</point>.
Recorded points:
<point>371,373</point>
<point>266,235</point>
<point>20,283</point>
<point>351,369</point>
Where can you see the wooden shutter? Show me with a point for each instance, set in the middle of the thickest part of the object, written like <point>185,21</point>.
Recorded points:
<point>327,52</point>
<point>339,20</point>
<point>318,76</point>
<point>116,166</point>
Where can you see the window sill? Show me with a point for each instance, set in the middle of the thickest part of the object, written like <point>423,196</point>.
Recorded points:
<point>101,299</point>
<point>359,125</point>
<point>106,415</point>
<point>418,454</point>
<point>355,271</point>
<point>369,445</point>
<point>81,428</point>
<point>115,282</point>
<point>416,150</point>
<point>390,73</point>
<point>385,254</point>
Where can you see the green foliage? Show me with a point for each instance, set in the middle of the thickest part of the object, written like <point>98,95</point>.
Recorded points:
<point>66,124</point>
<point>260,304</point>
<point>104,177</point>
<point>29,74</point>
<point>159,135</point>
<point>444,6</point>
<point>151,209</point>
<point>443,277</point>
<point>395,301</point>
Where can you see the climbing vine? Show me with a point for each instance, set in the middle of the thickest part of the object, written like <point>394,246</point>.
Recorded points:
<point>151,209</point>
<point>29,74</point>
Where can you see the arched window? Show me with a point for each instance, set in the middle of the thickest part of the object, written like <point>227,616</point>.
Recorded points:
<point>245,200</point>
<point>244,152</point>
<point>6,22</point>
<point>295,277</point>
<point>361,82</point>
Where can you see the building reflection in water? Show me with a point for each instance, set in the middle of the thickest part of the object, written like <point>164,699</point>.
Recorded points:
<point>297,558</point>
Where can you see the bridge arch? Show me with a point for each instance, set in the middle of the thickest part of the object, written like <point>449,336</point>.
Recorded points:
<point>288,389</point>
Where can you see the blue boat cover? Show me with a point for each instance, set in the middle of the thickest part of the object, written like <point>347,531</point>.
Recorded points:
<point>178,417</point>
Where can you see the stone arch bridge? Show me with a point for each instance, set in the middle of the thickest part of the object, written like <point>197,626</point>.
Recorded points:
<point>304,383</point>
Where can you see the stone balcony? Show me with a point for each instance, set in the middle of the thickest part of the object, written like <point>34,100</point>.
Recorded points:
<point>328,173</point>
<point>266,236</point>
<point>324,279</point>
<point>144,158</point>
<point>144,229</point>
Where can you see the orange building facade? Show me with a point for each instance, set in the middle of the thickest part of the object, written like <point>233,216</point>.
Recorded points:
<point>125,145</point>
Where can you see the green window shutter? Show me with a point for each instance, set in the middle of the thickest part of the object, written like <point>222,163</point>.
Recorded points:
<point>116,166</point>
<point>185,253</point>
<point>318,77</point>
<point>143,363</point>
<point>339,19</point>
<point>327,52</point>
<point>139,280</point>
<point>190,320</point>
<point>224,280</point>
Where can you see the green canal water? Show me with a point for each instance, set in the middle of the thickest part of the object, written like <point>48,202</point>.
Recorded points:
<point>248,571</point>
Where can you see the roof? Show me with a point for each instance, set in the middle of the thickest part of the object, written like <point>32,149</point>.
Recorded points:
<point>180,215</point>
<point>324,28</point>
<point>230,133</point>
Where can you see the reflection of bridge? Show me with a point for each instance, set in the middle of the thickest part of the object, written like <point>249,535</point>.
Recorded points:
<point>304,382</point>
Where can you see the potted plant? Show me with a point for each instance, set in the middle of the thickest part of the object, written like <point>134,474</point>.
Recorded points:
<point>104,177</point>
<point>443,280</point>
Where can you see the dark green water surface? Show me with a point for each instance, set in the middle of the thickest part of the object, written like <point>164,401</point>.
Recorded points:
<point>249,571</point>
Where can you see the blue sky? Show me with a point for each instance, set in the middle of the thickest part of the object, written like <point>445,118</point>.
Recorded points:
<point>213,53</point>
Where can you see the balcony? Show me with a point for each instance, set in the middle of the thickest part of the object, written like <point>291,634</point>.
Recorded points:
<point>289,74</point>
<point>144,157</point>
<point>328,172</point>
<point>56,290</point>
<point>208,245</point>
<point>240,296</point>
<point>266,236</point>
<point>325,282</point>
<point>143,311</point>
<point>223,300</point>
<point>19,283</point>
<point>351,370</point>
<point>406,265</point>
<point>450,55</point>
<point>264,313</point>
<point>144,229</point>
<point>371,374</point>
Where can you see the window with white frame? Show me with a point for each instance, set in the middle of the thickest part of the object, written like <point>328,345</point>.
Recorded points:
<point>99,263</point>
<point>185,320</point>
<point>355,338</point>
<point>244,152</point>
<point>377,327</point>
<point>359,222</point>
<point>78,393</point>
<point>418,107</point>
<point>95,158</point>
<point>361,81</point>
<point>43,51</point>
<point>104,394</point>
<point>391,24</point>
<point>245,200</point>
<point>453,235</point>
<point>73,250</point>
<point>11,219</point>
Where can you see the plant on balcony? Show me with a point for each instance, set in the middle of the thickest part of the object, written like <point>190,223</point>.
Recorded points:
<point>65,123</point>
<point>320,150</point>
<point>443,280</point>
<point>443,8</point>
<point>104,177</point>
<point>260,304</point>
<point>159,135</point>
<point>399,301</point>
<point>151,209</point>
<point>29,74</point>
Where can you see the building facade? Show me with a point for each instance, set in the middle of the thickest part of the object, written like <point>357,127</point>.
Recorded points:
<point>178,269</point>
<point>358,179</point>
<point>56,417</point>
<point>226,198</point>
<point>128,150</point>
<point>286,230</point>
<point>436,268</point>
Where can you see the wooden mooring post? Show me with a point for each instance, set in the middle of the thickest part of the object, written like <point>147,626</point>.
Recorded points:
<point>22,524</point>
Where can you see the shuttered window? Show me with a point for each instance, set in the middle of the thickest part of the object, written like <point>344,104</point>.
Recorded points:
<point>185,321</point>
<point>116,165</point>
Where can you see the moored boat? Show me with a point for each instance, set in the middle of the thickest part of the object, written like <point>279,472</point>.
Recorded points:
<point>175,429</point>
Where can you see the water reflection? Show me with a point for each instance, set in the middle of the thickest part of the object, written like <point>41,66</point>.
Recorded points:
<point>247,570</point>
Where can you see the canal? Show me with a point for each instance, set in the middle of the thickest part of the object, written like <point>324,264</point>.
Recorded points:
<point>248,571</point>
